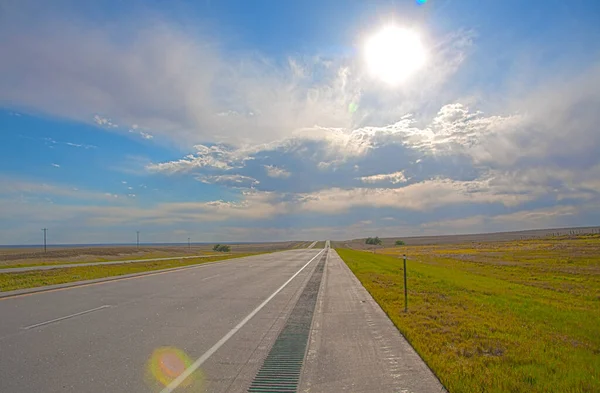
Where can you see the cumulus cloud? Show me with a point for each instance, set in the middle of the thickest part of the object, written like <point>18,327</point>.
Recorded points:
<point>216,156</point>
<point>242,119</point>
<point>198,92</point>
<point>422,196</point>
<point>273,171</point>
<point>394,178</point>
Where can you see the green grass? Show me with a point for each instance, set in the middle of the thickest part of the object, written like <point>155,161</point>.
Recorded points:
<point>319,245</point>
<point>100,259</point>
<point>31,279</point>
<point>505,317</point>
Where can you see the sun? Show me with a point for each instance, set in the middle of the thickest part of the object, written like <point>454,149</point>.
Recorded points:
<point>393,54</point>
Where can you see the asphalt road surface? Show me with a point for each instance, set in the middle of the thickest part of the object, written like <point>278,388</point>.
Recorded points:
<point>217,322</point>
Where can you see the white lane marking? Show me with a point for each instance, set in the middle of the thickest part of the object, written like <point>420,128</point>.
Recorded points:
<point>209,277</point>
<point>66,317</point>
<point>191,369</point>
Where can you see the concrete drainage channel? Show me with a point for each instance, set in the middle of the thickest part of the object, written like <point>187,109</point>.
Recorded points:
<point>280,371</point>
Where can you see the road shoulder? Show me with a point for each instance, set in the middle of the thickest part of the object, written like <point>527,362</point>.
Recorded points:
<point>355,347</point>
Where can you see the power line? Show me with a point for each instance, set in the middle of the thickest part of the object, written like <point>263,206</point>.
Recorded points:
<point>138,238</point>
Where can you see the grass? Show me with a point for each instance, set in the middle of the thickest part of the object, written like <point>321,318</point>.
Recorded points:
<point>301,245</point>
<point>519,316</point>
<point>31,279</point>
<point>319,245</point>
<point>107,259</point>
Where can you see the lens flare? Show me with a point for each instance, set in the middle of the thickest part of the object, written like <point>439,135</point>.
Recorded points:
<point>167,363</point>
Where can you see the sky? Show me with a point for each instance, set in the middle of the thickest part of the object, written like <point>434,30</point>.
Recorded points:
<point>264,120</point>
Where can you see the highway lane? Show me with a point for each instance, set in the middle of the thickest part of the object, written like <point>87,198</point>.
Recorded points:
<point>100,338</point>
<point>77,264</point>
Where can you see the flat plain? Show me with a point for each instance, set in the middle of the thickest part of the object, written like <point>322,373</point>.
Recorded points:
<point>518,316</point>
<point>22,257</point>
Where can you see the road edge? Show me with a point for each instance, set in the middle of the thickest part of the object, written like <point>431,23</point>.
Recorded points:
<point>47,288</point>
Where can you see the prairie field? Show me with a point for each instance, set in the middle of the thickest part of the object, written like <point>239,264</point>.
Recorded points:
<point>40,278</point>
<point>23,257</point>
<point>516,316</point>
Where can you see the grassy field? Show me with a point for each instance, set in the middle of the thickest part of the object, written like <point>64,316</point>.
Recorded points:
<point>32,263</point>
<point>12,281</point>
<point>519,316</point>
<point>320,245</point>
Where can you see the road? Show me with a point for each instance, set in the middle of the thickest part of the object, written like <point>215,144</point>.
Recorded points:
<point>76,264</point>
<point>218,322</point>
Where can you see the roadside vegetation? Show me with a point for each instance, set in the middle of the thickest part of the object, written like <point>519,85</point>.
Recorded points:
<point>520,316</point>
<point>32,263</point>
<point>38,278</point>
<point>376,241</point>
<point>221,248</point>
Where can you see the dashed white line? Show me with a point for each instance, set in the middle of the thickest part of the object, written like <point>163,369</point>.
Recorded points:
<point>65,317</point>
<point>209,277</point>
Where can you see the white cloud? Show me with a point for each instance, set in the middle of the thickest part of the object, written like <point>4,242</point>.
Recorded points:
<point>430,194</point>
<point>104,121</point>
<point>55,165</point>
<point>33,188</point>
<point>273,171</point>
<point>76,70</point>
<point>540,147</point>
<point>146,135</point>
<point>394,178</point>
<point>216,156</point>
<point>229,180</point>
<point>80,145</point>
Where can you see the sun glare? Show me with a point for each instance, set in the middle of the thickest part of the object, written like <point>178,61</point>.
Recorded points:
<point>394,54</point>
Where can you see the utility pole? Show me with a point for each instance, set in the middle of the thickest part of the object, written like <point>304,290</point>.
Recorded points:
<point>189,244</point>
<point>45,230</point>
<point>138,238</point>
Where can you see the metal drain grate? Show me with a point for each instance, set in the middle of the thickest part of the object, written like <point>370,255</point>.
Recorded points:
<point>281,370</point>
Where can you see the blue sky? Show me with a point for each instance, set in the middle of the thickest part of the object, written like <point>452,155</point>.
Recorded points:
<point>253,121</point>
